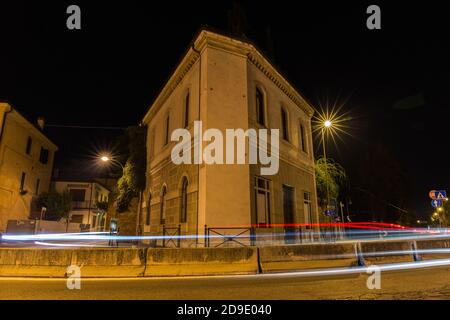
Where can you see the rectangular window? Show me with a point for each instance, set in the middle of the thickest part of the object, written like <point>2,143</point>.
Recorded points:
<point>78,195</point>
<point>302,138</point>
<point>43,156</point>
<point>186,111</point>
<point>38,183</point>
<point>284,125</point>
<point>22,181</point>
<point>262,195</point>
<point>76,218</point>
<point>307,209</point>
<point>166,136</point>
<point>29,144</point>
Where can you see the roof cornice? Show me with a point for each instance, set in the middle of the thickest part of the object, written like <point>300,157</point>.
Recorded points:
<point>241,47</point>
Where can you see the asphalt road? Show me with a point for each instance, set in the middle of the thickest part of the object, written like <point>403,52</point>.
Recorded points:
<point>429,283</point>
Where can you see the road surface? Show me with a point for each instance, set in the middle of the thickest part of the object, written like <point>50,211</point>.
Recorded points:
<point>428,283</point>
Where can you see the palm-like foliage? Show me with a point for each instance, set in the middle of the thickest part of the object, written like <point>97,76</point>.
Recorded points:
<point>328,174</point>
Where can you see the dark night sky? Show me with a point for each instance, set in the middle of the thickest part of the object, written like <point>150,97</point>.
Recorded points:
<point>108,73</point>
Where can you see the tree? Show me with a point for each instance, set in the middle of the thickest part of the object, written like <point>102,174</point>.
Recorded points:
<point>133,179</point>
<point>331,175</point>
<point>58,204</point>
<point>441,216</point>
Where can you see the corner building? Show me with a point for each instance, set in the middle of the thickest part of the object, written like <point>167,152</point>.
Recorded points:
<point>228,84</point>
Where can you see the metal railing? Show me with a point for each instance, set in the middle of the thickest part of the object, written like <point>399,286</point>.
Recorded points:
<point>220,233</point>
<point>77,205</point>
<point>173,235</point>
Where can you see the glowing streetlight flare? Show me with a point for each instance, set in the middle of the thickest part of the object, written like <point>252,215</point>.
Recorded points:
<point>327,123</point>
<point>104,158</point>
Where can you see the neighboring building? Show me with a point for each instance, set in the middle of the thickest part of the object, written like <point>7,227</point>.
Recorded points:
<point>228,84</point>
<point>86,195</point>
<point>26,162</point>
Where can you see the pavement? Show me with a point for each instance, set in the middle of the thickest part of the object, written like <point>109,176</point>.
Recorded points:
<point>423,284</point>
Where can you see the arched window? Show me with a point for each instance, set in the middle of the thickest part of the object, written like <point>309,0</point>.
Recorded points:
<point>183,204</point>
<point>149,209</point>
<point>163,205</point>
<point>260,108</point>
<point>284,124</point>
<point>186,111</point>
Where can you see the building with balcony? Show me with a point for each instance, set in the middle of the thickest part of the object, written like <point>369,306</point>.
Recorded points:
<point>228,83</point>
<point>86,196</point>
<point>26,163</point>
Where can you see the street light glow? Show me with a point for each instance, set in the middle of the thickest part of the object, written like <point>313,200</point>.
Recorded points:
<point>104,158</point>
<point>327,123</point>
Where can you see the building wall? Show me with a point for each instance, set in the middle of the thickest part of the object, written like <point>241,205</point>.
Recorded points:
<point>14,160</point>
<point>160,169</point>
<point>226,187</point>
<point>221,83</point>
<point>296,165</point>
<point>93,193</point>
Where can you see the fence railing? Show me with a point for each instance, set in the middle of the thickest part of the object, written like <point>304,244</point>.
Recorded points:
<point>235,236</point>
<point>173,236</point>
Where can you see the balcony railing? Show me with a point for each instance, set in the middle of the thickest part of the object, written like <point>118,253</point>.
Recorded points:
<point>78,205</point>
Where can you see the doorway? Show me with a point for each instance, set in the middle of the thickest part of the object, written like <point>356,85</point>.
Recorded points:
<point>288,212</point>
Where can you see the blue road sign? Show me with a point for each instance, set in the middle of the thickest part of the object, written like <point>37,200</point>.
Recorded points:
<point>436,203</point>
<point>441,194</point>
<point>438,194</point>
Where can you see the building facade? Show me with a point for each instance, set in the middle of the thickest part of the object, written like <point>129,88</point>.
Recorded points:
<point>228,84</point>
<point>86,195</point>
<point>26,162</point>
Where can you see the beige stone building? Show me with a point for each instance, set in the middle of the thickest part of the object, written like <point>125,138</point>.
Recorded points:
<point>86,194</point>
<point>228,84</point>
<point>26,162</point>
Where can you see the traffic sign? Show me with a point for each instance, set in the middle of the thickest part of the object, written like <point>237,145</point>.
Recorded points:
<point>436,203</point>
<point>438,194</point>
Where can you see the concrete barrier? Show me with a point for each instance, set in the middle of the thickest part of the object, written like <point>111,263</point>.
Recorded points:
<point>385,252</point>
<point>311,256</point>
<point>34,262</point>
<point>432,249</point>
<point>41,262</point>
<point>201,261</point>
<point>133,262</point>
<point>107,263</point>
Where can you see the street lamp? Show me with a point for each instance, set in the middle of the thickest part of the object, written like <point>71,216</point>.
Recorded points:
<point>106,158</point>
<point>326,125</point>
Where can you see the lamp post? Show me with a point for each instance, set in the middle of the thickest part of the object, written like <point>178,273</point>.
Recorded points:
<point>106,158</point>
<point>327,125</point>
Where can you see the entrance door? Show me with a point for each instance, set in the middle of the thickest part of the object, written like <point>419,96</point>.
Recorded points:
<point>288,211</point>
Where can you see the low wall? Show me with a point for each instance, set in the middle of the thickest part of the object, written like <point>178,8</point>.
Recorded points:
<point>312,256</point>
<point>37,262</point>
<point>384,252</point>
<point>433,249</point>
<point>150,262</point>
<point>34,262</point>
<point>110,263</point>
<point>201,261</point>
